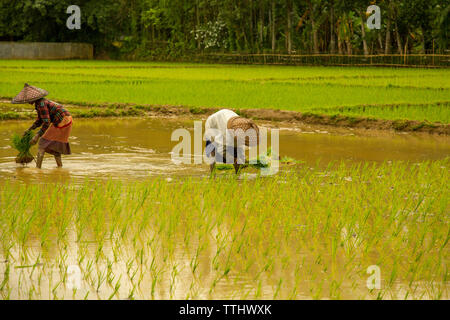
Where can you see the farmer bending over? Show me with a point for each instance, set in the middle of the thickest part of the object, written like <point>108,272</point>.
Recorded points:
<point>228,134</point>
<point>54,120</point>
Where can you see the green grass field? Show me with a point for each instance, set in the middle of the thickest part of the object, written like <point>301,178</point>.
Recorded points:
<point>383,93</point>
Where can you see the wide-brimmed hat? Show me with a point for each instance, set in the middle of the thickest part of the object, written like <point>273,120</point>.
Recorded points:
<point>29,94</point>
<point>245,129</point>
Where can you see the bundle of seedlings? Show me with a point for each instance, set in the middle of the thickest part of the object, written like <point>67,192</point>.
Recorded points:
<point>262,161</point>
<point>23,145</point>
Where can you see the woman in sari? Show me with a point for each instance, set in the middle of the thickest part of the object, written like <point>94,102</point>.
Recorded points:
<point>54,121</point>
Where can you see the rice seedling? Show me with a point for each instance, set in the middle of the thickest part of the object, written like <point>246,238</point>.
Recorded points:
<point>23,145</point>
<point>381,93</point>
<point>309,232</point>
<point>116,289</point>
<point>305,233</point>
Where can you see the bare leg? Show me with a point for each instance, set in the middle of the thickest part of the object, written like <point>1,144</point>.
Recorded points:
<point>212,168</point>
<point>40,158</point>
<point>58,160</point>
<point>236,166</point>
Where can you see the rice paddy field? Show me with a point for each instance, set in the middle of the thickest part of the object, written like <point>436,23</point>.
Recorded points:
<point>121,221</point>
<point>382,93</point>
<point>250,239</point>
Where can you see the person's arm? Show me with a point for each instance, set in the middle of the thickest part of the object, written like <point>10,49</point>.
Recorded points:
<point>44,122</point>
<point>44,117</point>
<point>36,124</point>
<point>209,128</point>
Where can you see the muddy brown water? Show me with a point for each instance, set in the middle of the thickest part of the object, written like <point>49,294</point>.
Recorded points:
<point>132,149</point>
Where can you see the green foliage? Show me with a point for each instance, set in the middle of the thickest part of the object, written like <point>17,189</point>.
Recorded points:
<point>45,21</point>
<point>172,29</point>
<point>443,27</point>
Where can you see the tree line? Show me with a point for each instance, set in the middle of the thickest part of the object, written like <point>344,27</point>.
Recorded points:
<point>152,28</point>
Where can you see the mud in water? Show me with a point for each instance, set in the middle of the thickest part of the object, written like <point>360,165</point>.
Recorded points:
<point>131,149</point>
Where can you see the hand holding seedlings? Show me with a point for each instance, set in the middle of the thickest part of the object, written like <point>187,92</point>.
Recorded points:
<point>34,140</point>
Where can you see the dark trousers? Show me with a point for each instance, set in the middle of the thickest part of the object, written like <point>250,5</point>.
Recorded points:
<point>210,150</point>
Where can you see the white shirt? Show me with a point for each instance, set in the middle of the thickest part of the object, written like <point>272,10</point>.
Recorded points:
<point>216,128</point>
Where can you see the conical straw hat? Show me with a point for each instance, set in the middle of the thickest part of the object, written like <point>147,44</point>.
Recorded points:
<point>29,94</point>
<point>245,128</point>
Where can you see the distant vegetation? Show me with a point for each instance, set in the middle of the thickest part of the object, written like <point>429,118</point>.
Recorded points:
<point>170,29</point>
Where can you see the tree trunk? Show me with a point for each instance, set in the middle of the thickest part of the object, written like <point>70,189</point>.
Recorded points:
<point>252,42</point>
<point>399,40</point>
<point>261,28</point>
<point>380,42</point>
<point>197,18</point>
<point>246,44</point>
<point>332,31</point>
<point>348,38</point>
<point>424,41</point>
<point>349,47</point>
<point>363,33</point>
<point>387,44</point>
<point>274,39</point>
<point>314,29</point>
<point>406,45</point>
<point>316,38</point>
<point>289,27</point>
<point>270,22</point>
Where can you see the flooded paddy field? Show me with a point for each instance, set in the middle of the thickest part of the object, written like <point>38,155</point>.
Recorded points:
<point>121,221</point>
<point>135,149</point>
<point>354,212</point>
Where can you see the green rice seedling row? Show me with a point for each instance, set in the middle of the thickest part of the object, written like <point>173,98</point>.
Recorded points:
<point>306,233</point>
<point>303,89</point>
